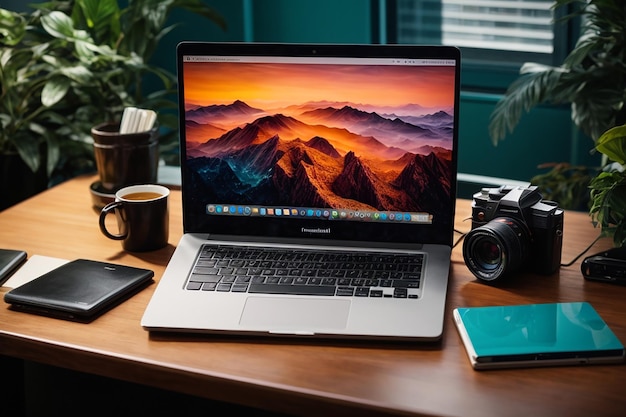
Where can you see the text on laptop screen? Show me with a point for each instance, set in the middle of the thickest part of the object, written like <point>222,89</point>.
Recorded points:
<point>350,139</point>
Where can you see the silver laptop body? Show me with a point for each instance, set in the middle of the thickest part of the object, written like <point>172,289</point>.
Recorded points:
<point>334,148</point>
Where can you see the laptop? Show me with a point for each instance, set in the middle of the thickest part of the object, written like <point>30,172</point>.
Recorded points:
<point>318,191</point>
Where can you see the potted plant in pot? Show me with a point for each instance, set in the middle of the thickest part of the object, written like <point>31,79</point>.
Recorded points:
<point>70,65</point>
<point>608,188</point>
<point>592,79</point>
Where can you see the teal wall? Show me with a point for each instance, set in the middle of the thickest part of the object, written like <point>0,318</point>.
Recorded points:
<point>544,135</point>
<point>312,21</point>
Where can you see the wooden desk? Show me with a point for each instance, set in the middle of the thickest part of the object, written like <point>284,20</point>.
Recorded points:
<point>299,378</point>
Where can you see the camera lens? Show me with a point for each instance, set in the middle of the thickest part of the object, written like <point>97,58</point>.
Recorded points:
<point>496,248</point>
<point>488,253</point>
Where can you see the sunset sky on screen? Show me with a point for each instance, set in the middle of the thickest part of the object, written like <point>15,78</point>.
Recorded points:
<point>262,85</point>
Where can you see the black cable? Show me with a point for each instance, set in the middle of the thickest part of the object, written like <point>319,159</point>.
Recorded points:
<point>460,238</point>
<point>583,252</point>
<point>461,233</point>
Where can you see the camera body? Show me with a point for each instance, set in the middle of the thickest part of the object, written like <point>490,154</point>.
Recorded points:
<point>513,227</point>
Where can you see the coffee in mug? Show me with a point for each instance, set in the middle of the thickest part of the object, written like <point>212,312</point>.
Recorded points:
<point>142,196</point>
<point>142,213</point>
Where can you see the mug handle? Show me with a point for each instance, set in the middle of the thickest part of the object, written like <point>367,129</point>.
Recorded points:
<point>109,208</point>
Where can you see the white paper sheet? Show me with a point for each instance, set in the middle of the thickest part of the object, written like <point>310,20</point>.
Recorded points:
<point>34,267</point>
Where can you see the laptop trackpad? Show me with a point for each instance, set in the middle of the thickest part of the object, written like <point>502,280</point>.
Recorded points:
<point>295,315</point>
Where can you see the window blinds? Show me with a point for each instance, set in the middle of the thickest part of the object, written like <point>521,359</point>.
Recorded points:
<point>511,25</point>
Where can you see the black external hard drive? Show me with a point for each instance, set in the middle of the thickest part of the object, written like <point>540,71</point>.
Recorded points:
<point>80,290</point>
<point>607,266</point>
<point>10,260</point>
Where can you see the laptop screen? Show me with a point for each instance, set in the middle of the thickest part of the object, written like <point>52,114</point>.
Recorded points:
<point>319,141</point>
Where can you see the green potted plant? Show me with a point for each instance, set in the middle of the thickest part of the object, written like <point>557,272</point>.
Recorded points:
<point>608,188</point>
<point>69,65</point>
<point>592,79</point>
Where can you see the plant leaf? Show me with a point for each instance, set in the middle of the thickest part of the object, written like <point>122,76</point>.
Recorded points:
<point>12,28</point>
<point>531,88</point>
<point>78,73</point>
<point>54,90</point>
<point>612,143</point>
<point>54,153</point>
<point>102,17</point>
<point>27,146</point>
<point>58,24</point>
<point>200,8</point>
<point>588,41</point>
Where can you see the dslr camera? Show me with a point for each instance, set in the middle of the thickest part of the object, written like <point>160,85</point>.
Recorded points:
<point>513,228</point>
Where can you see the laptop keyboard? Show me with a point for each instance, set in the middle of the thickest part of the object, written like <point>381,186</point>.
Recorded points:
<point>306,272</point>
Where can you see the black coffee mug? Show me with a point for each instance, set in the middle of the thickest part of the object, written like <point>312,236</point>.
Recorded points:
<point>142,213</point>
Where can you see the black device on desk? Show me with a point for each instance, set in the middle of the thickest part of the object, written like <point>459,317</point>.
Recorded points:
<point>79,290</point>
<point>10,260</point>
<point>607,266</point>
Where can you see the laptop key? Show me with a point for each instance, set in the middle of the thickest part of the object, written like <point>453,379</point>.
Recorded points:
<point>345,291</point>
<point>362,292</point>
<point>300,280</point>
<point>412,276</point>
<point>206,270</point>
<point>206,262</point>
<point>291,289</point>
<point>257,280</point>
<point>228,279</point>
<point>400,293</point>
<point>204,278</point>
<point>371,283</point>
<point>192,285</point>
<point>406,284</point>
<point>239,287</point>
<point>344,281</point>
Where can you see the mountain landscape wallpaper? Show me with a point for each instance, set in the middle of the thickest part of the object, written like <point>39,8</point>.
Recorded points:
<point>362,138</point>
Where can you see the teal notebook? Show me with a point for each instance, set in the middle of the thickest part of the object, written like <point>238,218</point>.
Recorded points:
<point>536,335</point>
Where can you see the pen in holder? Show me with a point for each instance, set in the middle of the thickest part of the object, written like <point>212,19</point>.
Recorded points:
<point>125,158</point>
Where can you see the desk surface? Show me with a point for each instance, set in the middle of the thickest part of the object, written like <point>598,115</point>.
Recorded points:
<point>299,378</point>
